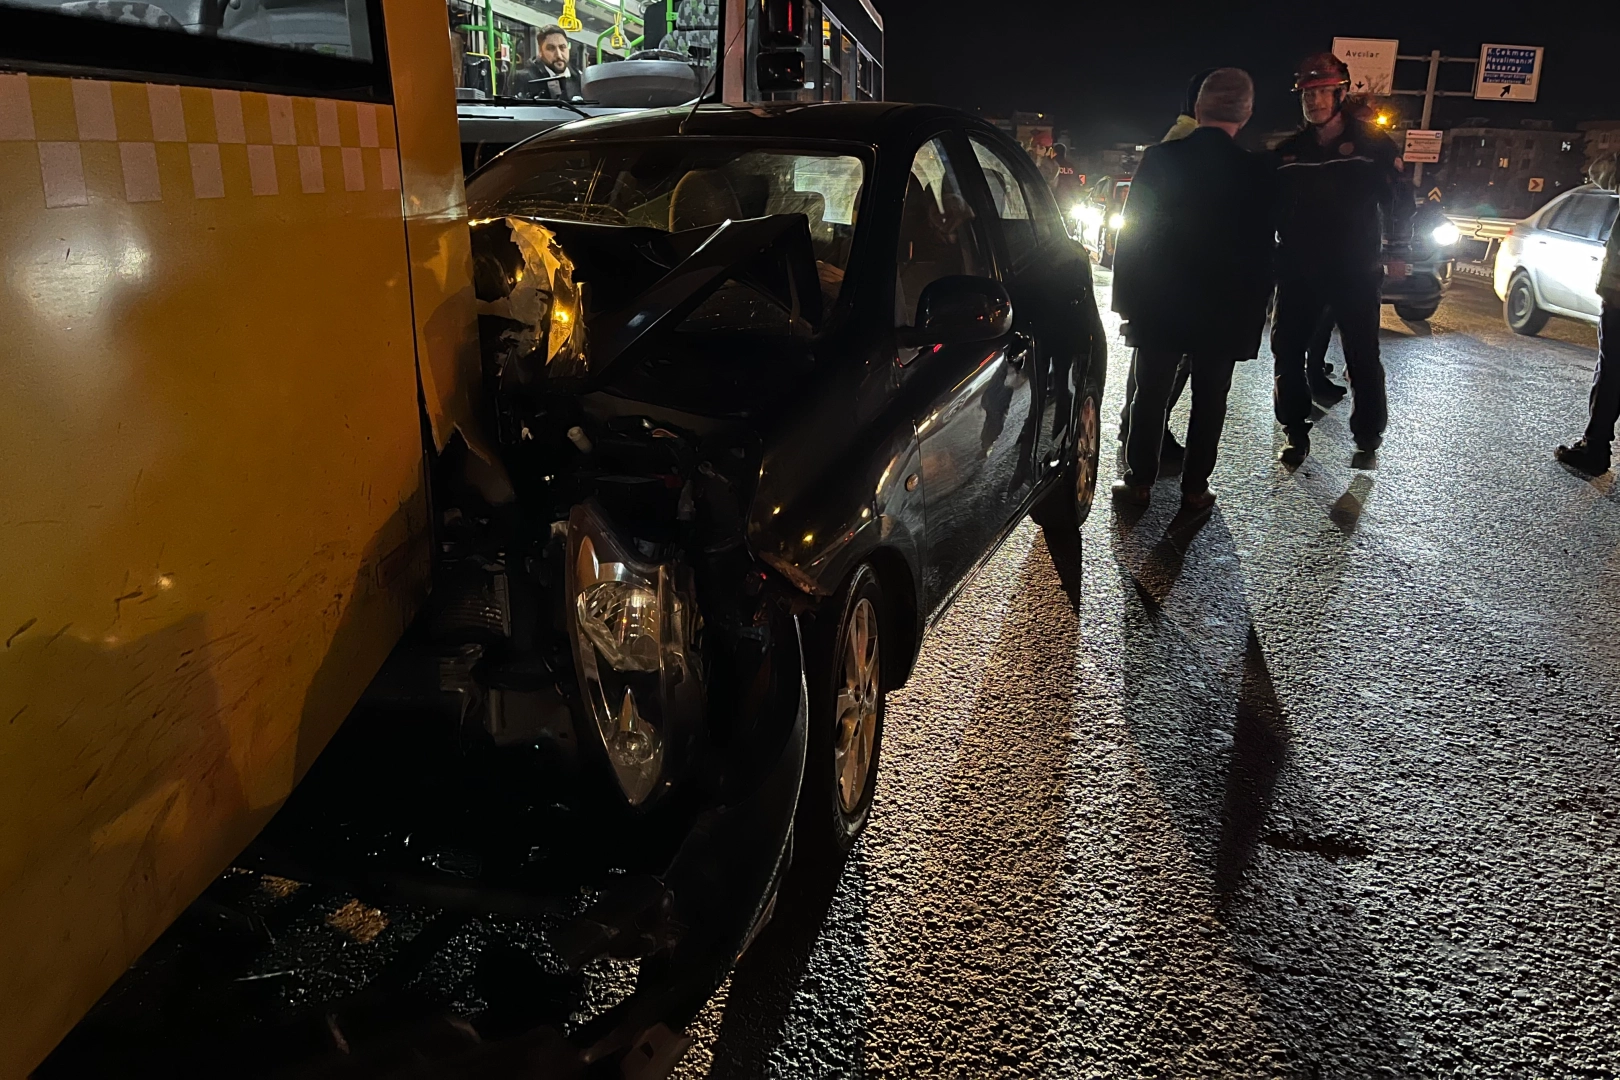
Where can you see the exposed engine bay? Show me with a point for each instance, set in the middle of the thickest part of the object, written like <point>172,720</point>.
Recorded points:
<point>624,556</point>
<point>606,660</point>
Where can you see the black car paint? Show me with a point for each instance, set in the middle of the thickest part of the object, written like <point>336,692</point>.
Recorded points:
<point>1428,263</point>
<point>832,488</point>
<point>828,451</point>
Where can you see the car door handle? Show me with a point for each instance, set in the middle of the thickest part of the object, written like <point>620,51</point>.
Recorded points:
<point>1019,350</point>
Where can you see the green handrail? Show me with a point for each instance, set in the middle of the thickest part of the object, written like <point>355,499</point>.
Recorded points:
<point>492,34</point>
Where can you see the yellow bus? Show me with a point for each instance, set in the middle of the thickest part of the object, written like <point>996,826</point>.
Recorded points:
<point>236,275</point>
<point>237,321</point>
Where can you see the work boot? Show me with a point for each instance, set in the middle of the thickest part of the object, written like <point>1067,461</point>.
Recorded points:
<point>1328,391</point>
<point>1296,449</point>
<point>1129,493</point>
<point>1589,458</point>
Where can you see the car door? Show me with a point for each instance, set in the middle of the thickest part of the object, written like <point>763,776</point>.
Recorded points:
<point>970,400</point>
<point>1560,251</point>
<point>1594,221</point>
<point>1048,279</point>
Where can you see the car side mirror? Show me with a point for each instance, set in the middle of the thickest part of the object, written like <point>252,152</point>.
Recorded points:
<point>960,310</point>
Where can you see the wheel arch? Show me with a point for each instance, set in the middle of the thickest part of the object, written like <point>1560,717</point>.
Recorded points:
<point>904,640</point>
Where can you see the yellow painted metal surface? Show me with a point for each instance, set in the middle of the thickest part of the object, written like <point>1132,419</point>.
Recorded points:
<point>436,217</point>
<point>212,518</point>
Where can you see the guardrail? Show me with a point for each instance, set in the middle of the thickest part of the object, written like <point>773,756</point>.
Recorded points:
<point>1487,229</point>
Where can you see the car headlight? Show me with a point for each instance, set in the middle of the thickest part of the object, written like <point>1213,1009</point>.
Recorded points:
<point>1116,222</point>
<point>634,628</point>
<point>1446,234</point>
<point>1088,214</point>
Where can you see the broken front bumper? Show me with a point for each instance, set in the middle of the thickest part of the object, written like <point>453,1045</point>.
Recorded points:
<point>681,888</point>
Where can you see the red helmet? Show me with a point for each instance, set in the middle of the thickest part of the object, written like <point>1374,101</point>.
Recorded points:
<point>1322,69</point>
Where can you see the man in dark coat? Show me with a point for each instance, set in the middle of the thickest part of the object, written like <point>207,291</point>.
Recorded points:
<point>1192,277</point>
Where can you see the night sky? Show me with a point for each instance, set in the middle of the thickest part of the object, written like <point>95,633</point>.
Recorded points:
<point>1116,72</point>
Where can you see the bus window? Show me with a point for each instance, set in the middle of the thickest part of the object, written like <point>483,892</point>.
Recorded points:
<point>527,49</point>
<point>332,47</point>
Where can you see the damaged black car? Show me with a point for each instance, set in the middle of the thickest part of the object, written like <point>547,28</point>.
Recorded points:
<point>769,384</point>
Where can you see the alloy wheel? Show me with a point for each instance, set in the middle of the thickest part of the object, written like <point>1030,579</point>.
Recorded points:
<point>857,705</point>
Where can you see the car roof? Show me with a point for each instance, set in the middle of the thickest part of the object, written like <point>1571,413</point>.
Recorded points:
<point>871,122</point>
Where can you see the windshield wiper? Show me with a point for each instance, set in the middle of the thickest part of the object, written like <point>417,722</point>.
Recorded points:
<point>569,105</point>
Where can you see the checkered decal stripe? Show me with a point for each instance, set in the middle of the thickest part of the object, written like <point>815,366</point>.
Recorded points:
<point>107,140</point>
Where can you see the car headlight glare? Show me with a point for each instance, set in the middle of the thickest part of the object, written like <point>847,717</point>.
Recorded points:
<point>634,629</point>
<point>1116,222</point>
<point>1088,214</point>
<point>1446,234</point>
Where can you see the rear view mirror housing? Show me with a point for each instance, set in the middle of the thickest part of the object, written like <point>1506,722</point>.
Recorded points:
<point>960,310</point>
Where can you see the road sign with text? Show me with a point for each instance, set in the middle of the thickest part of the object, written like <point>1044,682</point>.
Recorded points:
<point>1423,145</point>
<point>1371,62</point>
<point>1508,73</point>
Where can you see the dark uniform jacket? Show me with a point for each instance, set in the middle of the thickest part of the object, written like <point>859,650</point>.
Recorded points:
<point>1339,201</point>
<point>1193,269</point>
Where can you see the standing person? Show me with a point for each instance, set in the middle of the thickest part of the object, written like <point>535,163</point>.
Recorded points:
<point>1590,454</point>
<point>1192,276</point>
<point>1185,124</point>
<point>1341,191</point>
<point>1066,186</point>
<point>1045,162</point>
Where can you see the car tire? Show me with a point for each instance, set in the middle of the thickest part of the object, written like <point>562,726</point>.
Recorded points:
<point>1523,314</point>
<point>1416,312</point>
<point>1065,507</point>
<point>847,697</point>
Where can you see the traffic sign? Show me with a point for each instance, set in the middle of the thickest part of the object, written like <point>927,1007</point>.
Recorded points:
<point>1535,183</point>
<point>1371,62</point>
<point>1508,73</point>
<point>1423,145</point>
<point>1434,194</point>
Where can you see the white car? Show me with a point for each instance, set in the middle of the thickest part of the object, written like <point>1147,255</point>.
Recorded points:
<point>1548,265</point>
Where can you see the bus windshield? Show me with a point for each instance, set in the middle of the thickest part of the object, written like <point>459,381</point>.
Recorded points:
<point>673,185</point>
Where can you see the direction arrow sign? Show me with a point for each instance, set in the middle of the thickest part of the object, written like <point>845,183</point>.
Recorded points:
<point>1423,145</point>
<point>1508,73</point>
<point>1371,62</point>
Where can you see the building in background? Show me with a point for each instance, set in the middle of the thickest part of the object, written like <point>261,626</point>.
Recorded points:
<point>1508,172</point>
<point>1602,137</point>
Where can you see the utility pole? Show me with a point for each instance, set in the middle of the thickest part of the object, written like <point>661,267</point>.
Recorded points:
<point>1429,93</point>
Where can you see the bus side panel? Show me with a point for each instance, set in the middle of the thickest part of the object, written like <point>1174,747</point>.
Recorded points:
<point>436,216</point>
<point>213,522</point>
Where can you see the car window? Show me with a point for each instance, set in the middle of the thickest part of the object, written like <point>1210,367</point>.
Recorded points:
<point>677,184</point>
<point>939,236</point>
<point>1582,216</point>
<point>1557,213</point>
<point>1608,217</point>
<point>1014,203</point>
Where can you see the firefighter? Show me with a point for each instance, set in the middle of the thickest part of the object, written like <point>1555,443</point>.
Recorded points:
<point>1341,191</point>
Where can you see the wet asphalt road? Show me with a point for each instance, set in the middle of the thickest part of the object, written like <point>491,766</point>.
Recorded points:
<point>1326,787</point>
